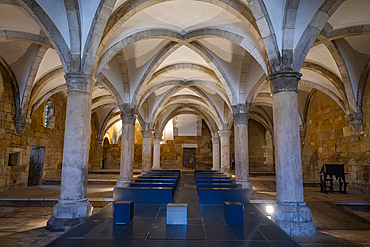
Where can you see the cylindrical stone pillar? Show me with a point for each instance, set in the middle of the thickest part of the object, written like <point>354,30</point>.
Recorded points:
<point>216,152</point>
<point>225,151</point>
<point>73,207</point>
<point>291,213</point>
<point>241,149</point>
<point>147,151</point>
<point>157,153</point>
<point>127,147</point>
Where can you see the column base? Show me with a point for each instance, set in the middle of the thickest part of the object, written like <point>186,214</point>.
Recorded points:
<point>215,169</point>
<point>156,168</point>
<point>68,214</point>
<point>121,182</point>
<point>295,219</point>
<point>245,184</point>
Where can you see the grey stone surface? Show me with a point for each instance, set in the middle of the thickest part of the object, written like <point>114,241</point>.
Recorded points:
<point>225,151</point>
<point>157,154</point>
<point>289,182</point>
<point>147,150</point>
<point>72,203</point>
<point>216,153</point>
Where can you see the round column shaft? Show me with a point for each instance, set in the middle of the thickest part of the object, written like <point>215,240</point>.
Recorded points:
<point>157,153</point>
<point>127,145</point>
<point>216,153</point>
<point>225,151</point>
<point>147,150</point>
<point>291,214</point>
<point>73,207</point>
<point>241,149</point>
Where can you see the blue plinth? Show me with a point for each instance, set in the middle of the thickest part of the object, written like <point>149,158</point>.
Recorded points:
<point>123,212</point>
<point>177,214</point>
<point>234,213</point>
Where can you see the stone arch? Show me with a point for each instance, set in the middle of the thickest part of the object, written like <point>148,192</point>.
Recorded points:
<point>128,9</point>
<point>7,74</point>
<point>268,35</point>
<point>49,29</point>
<point>46,96</point>
<point>332,95</point>
<point>180,111</point>
<point>94,37</point>
<point>111,89</point>
<point>41,83</point>
<point>338,58</point>
<point>184,66</point>
<point>210,85</point>
<point>13,35</point>
<point>312,30</point>
<point>105,126</point>
<point>74,26</point>
<point>364,79</point>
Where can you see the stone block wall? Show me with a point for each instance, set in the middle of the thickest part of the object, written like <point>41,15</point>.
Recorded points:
<point>96,151</point>
<point>261,157</point>
<point>35,135</point>
<point>330,140</point>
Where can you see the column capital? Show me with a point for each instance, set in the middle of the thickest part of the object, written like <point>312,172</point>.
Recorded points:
<point>241,118</point>
<point>284,81</point>
<point>78,82</point>
<point>128,115</point>
<point>156,140</point>
<point>147,133</point>
<point>224,133</point>
<point>216,140</point>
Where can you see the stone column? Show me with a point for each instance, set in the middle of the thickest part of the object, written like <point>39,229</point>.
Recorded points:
<point>241,117</point>
<point>157,153</point>
<point>73,207</point>
<point>225,151</point>
<point>147,151</point>
<point>216,152</point>
<point>127,144</point>
<point>291,213</point>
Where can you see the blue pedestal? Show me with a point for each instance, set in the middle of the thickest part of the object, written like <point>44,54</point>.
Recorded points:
<point>123,212</point>
<point>234,213</point>
<point>177,214</point>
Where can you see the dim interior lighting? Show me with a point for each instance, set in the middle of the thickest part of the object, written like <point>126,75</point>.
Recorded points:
<point>269,209</point>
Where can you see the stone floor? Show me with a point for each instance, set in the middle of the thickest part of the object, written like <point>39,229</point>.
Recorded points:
<point>206,226</point>
<point>24,226</point>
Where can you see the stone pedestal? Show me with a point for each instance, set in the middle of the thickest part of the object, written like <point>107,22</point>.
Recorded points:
<point>147,151</point>
<point>225,151</point>
<point>216,152</point>
<point>127,144</point>
<point>157,153</point>
<point>73,207</point>
<point>241,118</point>
<point>291,213</point>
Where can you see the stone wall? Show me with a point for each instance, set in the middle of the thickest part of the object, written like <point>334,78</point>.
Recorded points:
<point>261,157</point>
<point>96,152</point>
<point>35,135</point>
<point>330,140</point>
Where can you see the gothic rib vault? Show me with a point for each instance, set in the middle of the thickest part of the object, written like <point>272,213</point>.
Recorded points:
<point>224,61</point>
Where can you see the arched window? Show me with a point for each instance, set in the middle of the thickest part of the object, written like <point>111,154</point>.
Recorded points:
<point>49,115</point>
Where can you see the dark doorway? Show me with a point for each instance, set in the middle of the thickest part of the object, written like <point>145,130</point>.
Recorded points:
<point>187,153</point>
<point>36,165</point>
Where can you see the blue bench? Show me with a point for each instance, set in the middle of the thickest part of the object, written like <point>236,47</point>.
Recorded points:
<point>221,195</point>
<point>223,181</point>
<point>142,194</point>
<point>148,180</point>
<point>218,185</point>
<point>139,184</point>
<point>156,177</point>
